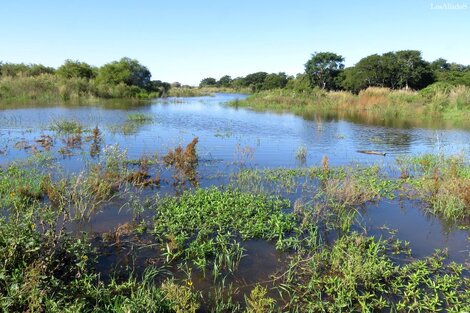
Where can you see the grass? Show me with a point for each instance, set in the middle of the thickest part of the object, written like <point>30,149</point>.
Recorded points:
<point>442,182</point>
<point>134,121</point>
<point>49,87</point>
<point>66,126</point>
<point>204,91</point>
<point>198,237</point>
<point>373,105</point>
<point>139,118</point>
<point>184,161</point>
<point>356,274</point>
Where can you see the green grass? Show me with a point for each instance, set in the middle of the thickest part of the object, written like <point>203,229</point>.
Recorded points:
<point>200,237</point>
<point>49,87</point>
<point>356,274</point>
<point>373,105</point>
<point>139,118</point>
<point>442,182</point>
<point>66,126</point>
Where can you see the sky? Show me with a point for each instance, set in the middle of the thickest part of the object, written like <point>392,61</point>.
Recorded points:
<point>186,41</point>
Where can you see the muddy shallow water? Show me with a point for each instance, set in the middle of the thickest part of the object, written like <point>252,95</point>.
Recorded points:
<point>230,138</point>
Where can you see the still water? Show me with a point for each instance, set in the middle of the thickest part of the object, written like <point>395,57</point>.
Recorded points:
<point>230,136</point>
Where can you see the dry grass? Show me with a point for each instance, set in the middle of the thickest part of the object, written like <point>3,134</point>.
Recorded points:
<point>184,161</point>
<point>348,191</point>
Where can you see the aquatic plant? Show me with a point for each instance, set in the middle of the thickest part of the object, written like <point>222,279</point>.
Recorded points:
<point>301,154</point>
<point>355,274</point>
<point>442,182</point>
<point>63,126</point>
<point>184,161</point>
<point>204,225</point>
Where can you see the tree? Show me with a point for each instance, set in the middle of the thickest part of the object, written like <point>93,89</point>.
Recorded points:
<point>255,80</point>
<point>414,71</point>
<point>323,68</point>
<point>77,69</point>
<point>209,81</point>
<point>440,65</point>
<point>225,81</point>
<point>159,87</point>
<point>301,83</point>
<point>402,69</point>
<point>127,71</point>
<point>273,81</point>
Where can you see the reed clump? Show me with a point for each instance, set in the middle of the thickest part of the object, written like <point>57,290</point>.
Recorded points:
<point>184,161</point>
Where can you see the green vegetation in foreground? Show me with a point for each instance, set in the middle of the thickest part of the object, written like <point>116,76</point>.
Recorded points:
<point>444,182</point>
<point>46,268</point>
<point>205,226</point>
<point>372,105</point>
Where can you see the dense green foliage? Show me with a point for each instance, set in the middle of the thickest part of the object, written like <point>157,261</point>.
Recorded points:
<point>76,69</point>
<point>405,69</point>
<point>323,69</point>
<point>75,80</point>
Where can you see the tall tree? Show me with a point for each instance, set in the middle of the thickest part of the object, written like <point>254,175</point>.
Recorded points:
<point>323,68</point>
<point>414,71</point>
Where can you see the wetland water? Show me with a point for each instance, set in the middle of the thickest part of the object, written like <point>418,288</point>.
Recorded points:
<point>231,138</point>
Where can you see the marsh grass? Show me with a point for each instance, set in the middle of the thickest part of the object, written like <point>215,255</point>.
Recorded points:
<point>356,274</point>
<point>49,87</point>
<point>326,267</point>
<point>442,182</point>
<point>139,118</point>
<point>301,155</point>
<point>374,105</point>
<point>66,127</point>
<point>184,161</point>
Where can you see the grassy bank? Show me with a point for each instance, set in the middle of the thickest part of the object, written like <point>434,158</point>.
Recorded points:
<point>437,101</point>
<point>204,91</point>
<point>48,87</point>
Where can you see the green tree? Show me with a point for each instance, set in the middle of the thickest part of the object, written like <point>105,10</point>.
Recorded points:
<point>78,69</point>
<point>209,81</point>
<point>127,71</point>
<point>159,87</point>
<point>274,81</point>
<point>323,68</point>
<point>440,65</point>
<point>414,71</point>
<point>225,81</point>
<point>255,80</point>
<point>351,79</point>
<point>301,83</point>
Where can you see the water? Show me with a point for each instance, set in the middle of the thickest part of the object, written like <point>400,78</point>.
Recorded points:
<point>231,136</point>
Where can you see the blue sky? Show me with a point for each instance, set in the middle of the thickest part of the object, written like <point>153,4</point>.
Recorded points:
<point>186,41</point>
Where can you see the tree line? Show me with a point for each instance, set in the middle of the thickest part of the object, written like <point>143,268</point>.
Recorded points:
<point>126,73</point>
<point>404,69</point>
